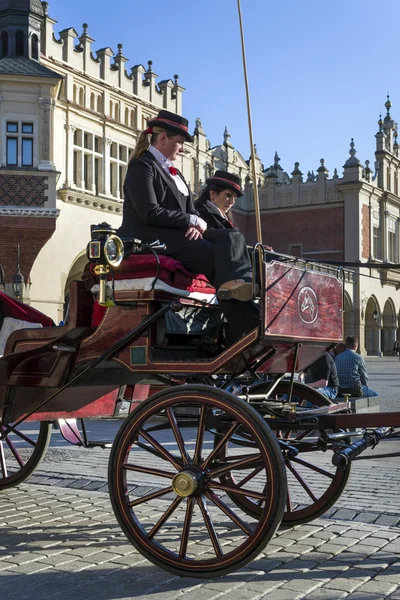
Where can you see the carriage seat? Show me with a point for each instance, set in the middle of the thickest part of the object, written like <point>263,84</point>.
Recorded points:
<point>80,316</point>
<point>172,276</point>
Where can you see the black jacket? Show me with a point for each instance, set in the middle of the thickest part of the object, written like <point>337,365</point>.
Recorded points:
<point>154,208</point>
<point>211,215</point>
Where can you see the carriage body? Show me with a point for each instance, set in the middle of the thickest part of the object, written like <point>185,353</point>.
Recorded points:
<point>302,318</point>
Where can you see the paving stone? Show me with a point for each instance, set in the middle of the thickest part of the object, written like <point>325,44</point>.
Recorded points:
<point>377,587</point>
<point>324,594</point>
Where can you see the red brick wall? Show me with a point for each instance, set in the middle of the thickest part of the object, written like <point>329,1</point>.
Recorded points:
<point>33,232</point>
<point>317,229</point>
<point>366,242</point>
<point>26,190</point>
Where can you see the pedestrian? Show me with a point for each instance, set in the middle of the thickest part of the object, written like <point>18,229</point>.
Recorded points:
<point>352,371</point>
<point>322,376</point>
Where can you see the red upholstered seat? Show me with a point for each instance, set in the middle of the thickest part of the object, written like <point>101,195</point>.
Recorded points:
<point>17,310</point>
<point>171,271</point>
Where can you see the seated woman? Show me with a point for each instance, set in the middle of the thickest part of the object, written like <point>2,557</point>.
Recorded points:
<point>217,198</point>
<point>158,205</point>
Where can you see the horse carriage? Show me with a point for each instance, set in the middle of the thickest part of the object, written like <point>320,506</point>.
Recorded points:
<point>226,443</point>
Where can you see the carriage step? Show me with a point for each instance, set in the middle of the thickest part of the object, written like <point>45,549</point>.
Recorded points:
<point>95,444</point>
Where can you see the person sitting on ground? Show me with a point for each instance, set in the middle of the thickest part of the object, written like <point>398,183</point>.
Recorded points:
<point>158,206</point>
<point>352,372</point>
<point>322,376</point>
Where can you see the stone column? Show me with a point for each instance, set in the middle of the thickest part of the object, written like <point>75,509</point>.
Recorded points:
<point>45,134</point>
<point>106,167</point>
<point>69,156</point>
<point>377,340</point>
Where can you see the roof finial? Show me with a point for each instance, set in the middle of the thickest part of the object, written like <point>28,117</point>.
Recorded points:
<point>227,135</point>
<point>276,160</point>
<point>149,66</point>
<point>388,105</point>
<point>85,28</point>
<point>353,160</point>
<point>176,77</point>
<point>380,122</point>
<point>120,49</point>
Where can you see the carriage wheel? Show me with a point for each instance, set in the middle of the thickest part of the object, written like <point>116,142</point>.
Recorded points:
<point>164,480</point>
<point>313,483</point>
<point>21,451</point>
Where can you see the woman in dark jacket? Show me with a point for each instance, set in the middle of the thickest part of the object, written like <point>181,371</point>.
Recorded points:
<point>217,198</point>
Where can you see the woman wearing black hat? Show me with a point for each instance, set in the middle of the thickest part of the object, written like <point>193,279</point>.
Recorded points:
<point>217,198</point>
<point>158,205</point>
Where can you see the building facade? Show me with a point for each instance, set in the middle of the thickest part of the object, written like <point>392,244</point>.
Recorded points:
<point>70,116</point>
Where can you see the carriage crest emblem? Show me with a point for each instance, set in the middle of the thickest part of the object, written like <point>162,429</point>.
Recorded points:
<point>308,305</point>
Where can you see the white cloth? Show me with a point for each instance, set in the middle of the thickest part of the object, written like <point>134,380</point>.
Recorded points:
<point>145,283</point>
<point>10,325</point>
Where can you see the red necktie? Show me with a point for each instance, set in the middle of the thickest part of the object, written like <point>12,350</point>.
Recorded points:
<point>173,170</point>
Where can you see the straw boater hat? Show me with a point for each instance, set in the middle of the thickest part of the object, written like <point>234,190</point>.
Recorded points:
<point>226,180</point>
<point>171,122</point>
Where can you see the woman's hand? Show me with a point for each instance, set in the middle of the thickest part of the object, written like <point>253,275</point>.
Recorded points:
<point>193,233</point>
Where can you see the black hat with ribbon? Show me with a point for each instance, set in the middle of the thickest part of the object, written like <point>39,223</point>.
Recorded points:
<point>171,122</point>
<point>225,180</point>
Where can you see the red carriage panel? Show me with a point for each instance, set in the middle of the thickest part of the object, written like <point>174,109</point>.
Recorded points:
<point>302,304</point>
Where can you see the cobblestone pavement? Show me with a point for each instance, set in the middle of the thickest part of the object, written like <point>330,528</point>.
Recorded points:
<point>59,537</point>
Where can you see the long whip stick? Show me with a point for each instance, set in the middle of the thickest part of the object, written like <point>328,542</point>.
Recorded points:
<point>253,158</point>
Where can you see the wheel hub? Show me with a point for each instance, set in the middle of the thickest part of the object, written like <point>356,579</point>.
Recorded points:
<point>185,483</point>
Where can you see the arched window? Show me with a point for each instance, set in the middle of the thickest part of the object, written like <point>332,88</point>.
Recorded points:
<point>99,104</point>
<point>133,119</point>
<point>92,101</point>
<point>116,114</point>
<point>4,43</point>
<point>75,94</point>
<point>81,96</point>
<point>35,47</point>
<point>127,116</point>
<point>19,43</point>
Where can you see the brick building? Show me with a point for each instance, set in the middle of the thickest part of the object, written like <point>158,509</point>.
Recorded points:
<point>70,116</point>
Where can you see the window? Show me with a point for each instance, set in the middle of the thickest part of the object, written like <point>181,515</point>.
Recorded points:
<point>19,144</point>
<point>35,47</point>
<point>4,43</point>
<point>376,243</point>
<point>88,161</point>
<point>19,43</point>
<point>119,155</point>
<point>389,180</point>
<point>392,240</point>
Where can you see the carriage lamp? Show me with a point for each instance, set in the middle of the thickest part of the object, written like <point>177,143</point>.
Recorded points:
<point>104,250</point>
<point>17,279</point>
<point>18,282</point>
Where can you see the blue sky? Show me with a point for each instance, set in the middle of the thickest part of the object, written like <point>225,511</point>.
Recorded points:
<point>319,72</point>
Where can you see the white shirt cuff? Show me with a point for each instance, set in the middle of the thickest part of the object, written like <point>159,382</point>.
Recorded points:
<point>193,220</point>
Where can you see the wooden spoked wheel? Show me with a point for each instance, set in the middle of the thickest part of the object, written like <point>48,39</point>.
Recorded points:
<point>313,483</point>
<point>164,480</point>
<point>21,451</point>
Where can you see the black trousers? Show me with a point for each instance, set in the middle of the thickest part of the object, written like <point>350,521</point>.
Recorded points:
<point>221,256</point>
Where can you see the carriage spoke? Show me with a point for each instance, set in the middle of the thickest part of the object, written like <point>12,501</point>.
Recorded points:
<point>164,453</point>
<point>24,437</point>
<point>149,497</point>
<point>15,452</point>
<point>186,527</point>
<point>3,461</point>
<point>289,506</point>
<point>237,491</point>
<point>313,467</point>
<point>200,435</point>
<point>220,445</point>
<point>228,512</point>
<point>148,470</point>
<point>250,461</point>
<point>165,517</point>
<point>301,481</point>
<point>250,476</point>
<point>210,526</point>
<point>178,436</point>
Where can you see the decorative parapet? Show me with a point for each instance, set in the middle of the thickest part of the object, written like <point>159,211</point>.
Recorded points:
<point>87,201</point>
<point>18,211</point>
<point>75,51</point>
